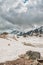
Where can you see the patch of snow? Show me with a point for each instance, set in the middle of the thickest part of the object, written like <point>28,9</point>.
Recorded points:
<point>10,49</point>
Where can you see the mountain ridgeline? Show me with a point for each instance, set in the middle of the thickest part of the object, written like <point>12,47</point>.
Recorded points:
<point>35,32</point>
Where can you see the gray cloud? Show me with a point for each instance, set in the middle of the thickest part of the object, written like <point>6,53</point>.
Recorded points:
<point>20,13</point>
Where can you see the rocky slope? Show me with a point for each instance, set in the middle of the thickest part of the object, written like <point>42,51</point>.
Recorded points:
<point>26,59</point>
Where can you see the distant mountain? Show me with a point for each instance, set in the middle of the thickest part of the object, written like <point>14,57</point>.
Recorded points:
<point>14,32</point>
<point>39,30</point>
<point>36,32</point>
<point>17,32</point>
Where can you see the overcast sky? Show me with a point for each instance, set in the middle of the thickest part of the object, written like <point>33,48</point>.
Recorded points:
<point>20,12</point>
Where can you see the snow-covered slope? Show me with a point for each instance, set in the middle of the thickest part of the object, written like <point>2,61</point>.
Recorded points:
<point>11,47</point>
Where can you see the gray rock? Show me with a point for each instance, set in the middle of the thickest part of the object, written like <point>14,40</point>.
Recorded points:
<point>33,55</point>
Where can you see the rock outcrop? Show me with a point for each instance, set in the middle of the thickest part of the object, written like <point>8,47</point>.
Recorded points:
<point>33,55</point>
<point>30,58</point>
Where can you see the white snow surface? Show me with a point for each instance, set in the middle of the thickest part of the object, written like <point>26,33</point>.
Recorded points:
<point>16,47</point>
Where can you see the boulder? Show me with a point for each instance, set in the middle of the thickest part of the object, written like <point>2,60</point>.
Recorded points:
<point>33,55</point>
